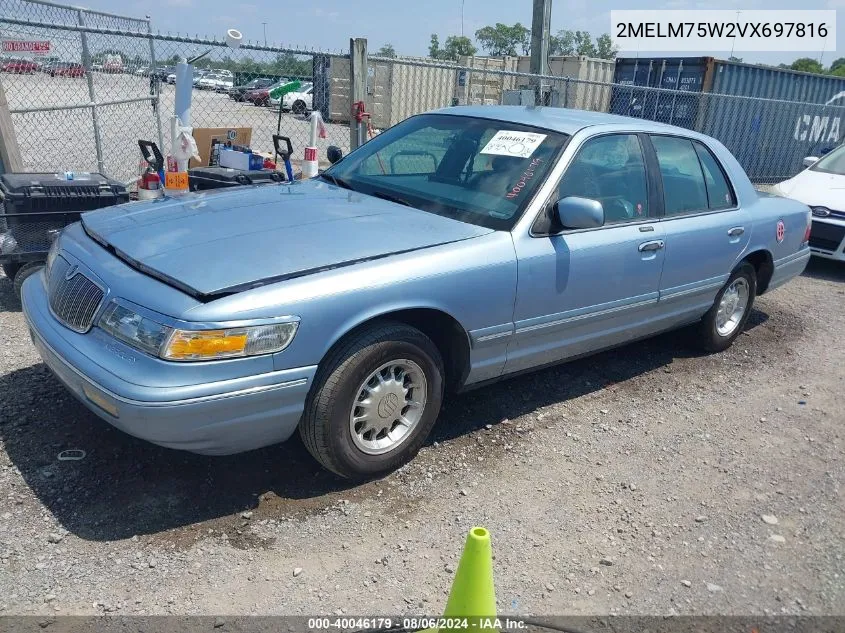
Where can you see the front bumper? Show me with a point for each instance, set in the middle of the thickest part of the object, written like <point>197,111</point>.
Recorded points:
<point>231,416</point>
<point>827,238</point>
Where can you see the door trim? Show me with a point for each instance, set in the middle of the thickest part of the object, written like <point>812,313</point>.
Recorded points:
<point>596,312</point>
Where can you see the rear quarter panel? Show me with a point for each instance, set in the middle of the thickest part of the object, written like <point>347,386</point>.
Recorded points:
<point>765,212</point>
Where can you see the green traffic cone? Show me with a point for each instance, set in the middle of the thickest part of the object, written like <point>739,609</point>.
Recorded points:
<point>473,597</point>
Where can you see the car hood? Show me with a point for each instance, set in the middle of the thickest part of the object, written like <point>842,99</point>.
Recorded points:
<point>217,243</point>
<point>816,188</point>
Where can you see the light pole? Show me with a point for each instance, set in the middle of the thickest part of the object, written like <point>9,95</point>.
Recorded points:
<point>265,33</point>
<point>462,17</point>
<point>734,38</point>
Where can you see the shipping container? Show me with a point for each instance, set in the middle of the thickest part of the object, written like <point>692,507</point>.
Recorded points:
<point>480,80</point>
<point>803,115</point>
<point>769,118</point>
<point>684,74</point>
<point>395,90</point>
<point>574,94</point>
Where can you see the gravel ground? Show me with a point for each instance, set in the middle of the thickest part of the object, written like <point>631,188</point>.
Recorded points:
<point>646,480</point>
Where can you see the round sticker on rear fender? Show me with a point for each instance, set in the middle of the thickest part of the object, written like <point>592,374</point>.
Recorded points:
<point>780,232</point>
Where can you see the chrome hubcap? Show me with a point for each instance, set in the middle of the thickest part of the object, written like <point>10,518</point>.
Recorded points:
<point>388,406</point>
<point>732,307</point>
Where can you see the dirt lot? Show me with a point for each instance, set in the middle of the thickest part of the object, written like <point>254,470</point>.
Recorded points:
<point>647,480</point>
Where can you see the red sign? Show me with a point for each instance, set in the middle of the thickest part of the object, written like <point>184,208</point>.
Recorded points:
<point>31,47</point>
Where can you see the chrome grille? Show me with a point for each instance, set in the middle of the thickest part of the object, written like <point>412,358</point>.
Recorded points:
<point>75,300</point>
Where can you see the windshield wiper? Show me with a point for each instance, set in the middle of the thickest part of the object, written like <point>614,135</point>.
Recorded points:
<point>336,181</point>
<point>391,198</point>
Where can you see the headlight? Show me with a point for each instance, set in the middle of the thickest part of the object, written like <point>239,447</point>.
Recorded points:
<point>134,329</point>
<point>170,343</point>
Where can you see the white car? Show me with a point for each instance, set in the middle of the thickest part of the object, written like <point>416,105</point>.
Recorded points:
<point>215,81</point>
<point>298,102</point>
<point>171,78</point>
<point>822,188</point>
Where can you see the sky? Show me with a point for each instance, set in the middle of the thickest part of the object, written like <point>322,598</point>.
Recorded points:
<point>408,25</point>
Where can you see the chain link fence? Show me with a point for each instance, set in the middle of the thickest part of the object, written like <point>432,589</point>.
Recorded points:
<point>109,81</point>
<point>770,138</point>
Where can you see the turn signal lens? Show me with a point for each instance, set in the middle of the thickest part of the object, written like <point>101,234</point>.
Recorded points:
<point>188,345</point>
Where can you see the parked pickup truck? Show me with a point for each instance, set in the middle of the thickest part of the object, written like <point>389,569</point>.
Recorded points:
<point>456,248</point>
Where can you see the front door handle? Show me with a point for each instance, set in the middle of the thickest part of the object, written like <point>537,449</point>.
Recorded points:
<point>736,231</point>
<point>654,245</point>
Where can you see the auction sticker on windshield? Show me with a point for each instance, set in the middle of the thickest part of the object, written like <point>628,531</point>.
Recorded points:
<point>512,143</point>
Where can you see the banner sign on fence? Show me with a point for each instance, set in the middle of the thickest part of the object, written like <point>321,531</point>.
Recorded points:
<point>28,47</point>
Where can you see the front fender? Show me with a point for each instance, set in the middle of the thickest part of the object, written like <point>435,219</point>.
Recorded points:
<point>473,281</point>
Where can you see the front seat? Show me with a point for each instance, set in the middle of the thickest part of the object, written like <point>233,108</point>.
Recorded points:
<point>505,172</point>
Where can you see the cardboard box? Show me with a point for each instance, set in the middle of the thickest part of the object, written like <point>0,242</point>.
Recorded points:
<point>205,135</point>
<point>240,160</point>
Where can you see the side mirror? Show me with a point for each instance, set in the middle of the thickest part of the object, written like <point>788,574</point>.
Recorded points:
<point>334,154</point>
<point>809,161</point>
<point>579,213</point>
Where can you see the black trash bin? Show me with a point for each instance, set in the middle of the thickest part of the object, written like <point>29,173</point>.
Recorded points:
<point>35,207</point>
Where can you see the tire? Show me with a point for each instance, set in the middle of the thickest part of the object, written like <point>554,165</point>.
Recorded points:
<point>708,335</point>
<point>298,107</point>
<point>26,271</point>
<point>10,270</point>
<point>326,426</point>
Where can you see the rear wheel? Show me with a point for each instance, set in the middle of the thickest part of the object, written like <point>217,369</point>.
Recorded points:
<point>375,399</point>
<point>731,309</point>
<point>26,271</point>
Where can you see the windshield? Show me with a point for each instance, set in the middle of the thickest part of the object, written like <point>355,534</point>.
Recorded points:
<point>474,170</point>
<point>832,163</point>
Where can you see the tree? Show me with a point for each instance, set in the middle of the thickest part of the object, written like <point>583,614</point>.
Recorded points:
<point>568,42</point>
<point>563,43</point>
<point>458,46</point>
<point>734,59</point>
<point>837,67</point>
<point>434,47</point>
<point>605,48</point>
<point>386,51</point>
<point>501,40</point>
<point>584,44</point>
<point>807,65</point>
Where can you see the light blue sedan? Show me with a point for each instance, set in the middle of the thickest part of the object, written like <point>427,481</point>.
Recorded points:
<point>454,249</point>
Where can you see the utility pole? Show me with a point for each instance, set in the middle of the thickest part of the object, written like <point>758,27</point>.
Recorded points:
<point>264,24</point>
<point>541,24</point>
<point>462,17</point>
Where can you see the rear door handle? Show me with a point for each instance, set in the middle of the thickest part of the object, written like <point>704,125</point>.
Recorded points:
<point>736,231</point>
<point>654,245</point>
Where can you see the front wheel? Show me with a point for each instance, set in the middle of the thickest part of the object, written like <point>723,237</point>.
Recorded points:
<point>375,399</point>
<point>298,107</point>
<point>731,309</point>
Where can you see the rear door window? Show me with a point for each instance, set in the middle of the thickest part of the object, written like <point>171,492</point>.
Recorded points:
<point>684,190</point>
<point>719,192</point>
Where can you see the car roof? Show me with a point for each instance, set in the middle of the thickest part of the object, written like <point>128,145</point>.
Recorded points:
<point>565,120</point>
